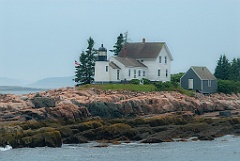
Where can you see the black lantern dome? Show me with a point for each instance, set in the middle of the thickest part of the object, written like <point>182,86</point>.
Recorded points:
<point>102,53</point>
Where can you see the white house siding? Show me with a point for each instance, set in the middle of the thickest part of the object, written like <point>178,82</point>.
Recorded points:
<point>101,75</point>
<point>154,65</point>
<point>113,75</point>
<point>124,72</point>
<point>137,73</point>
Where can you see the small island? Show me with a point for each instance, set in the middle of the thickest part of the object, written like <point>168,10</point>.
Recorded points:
<point>109,116</point>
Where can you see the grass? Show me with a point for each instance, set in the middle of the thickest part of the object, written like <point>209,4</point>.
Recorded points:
<point>137,88</point>
<point>128,87</point>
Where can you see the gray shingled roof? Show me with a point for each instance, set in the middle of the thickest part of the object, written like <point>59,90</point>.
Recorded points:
<point>113,65</point>
<point>203,73</point>
<point>143,50</point>
<point>130,62</point>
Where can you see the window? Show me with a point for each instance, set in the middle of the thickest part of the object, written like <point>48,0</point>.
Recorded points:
<point>139,72</point>
<point>209,83</point>
<point>135,73</point>
<point>159,72</point>
<point>118,74</point>
<point>166,73</point>
<point>144,73</point>
<point>129,72</point>
<point>160,59</point>
<point>165,59</point>
<point>106,68</point>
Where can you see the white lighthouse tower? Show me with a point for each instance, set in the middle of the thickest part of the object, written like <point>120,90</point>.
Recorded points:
<point>101,67</point>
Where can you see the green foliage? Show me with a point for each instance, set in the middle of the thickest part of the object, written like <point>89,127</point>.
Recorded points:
<point>134,81</point>
<point>172,86</point>
<point>228,86</point>
<point>222,70</point>
<point>85,71</point>
<point>121,40</point>
<point>226,70</point>
<point>165,86</point>
<point>235,70</point>
<point>228,75</point>
<point>146,81</point>
<point>127,87</point>
<point>175,78</point>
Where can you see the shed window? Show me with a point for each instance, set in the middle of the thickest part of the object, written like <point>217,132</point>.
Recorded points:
<point>209,83</point>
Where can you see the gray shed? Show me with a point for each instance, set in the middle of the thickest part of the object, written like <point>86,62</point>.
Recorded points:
<point>199,79</point>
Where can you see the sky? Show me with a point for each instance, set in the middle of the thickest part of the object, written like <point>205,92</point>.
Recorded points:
<point>42,38</point>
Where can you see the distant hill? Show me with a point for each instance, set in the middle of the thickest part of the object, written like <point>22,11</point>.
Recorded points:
<point>18,88</point>
<point>4,81</point>
<point>54,82</point>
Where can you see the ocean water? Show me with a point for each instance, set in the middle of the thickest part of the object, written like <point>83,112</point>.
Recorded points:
<point>221,149</point>
<point>20,92</point>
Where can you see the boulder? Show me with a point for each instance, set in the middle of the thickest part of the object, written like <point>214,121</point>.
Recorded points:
<point>40,102</point>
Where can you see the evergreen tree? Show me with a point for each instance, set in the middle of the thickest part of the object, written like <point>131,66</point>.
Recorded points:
<point>85,71</point>
<point>222,70</point>
<point>218,68</point>
<point>119,44</point>
<point>235,70</point>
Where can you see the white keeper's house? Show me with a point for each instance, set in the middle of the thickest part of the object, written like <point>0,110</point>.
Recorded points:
<point>150,60</point>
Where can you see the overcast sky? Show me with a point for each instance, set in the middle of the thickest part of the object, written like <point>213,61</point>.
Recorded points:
<point>42,38</point>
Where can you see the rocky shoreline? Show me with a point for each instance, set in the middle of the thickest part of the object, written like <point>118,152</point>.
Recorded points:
<point>66,115</point>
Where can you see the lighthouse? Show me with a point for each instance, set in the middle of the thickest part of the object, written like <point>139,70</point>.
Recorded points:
<point>101,66</point>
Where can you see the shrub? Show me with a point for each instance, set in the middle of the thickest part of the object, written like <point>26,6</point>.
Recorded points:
<point>134,81</point>
<point>228,86</point>
<point>165,86</point>
<point>146,81</point>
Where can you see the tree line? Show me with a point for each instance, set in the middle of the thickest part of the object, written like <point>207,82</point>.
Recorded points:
<point>228,75</point>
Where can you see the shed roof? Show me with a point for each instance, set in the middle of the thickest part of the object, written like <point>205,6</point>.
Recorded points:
<point>130,62</point>
<point>203,73</point>
<point>143,50</point>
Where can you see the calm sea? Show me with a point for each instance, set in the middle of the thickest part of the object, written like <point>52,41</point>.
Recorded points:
<point>221,149</point>
<point>20,92</point>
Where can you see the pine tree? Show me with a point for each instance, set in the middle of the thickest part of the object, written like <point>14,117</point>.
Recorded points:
<point>225,68</point>
<point>218,68</point>
<point>235,70</point>
<point>222,70</point>
<point>118,45</point>
<point>85,71</point>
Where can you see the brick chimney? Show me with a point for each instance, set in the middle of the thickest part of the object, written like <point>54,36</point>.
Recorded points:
<point>143,40</point>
